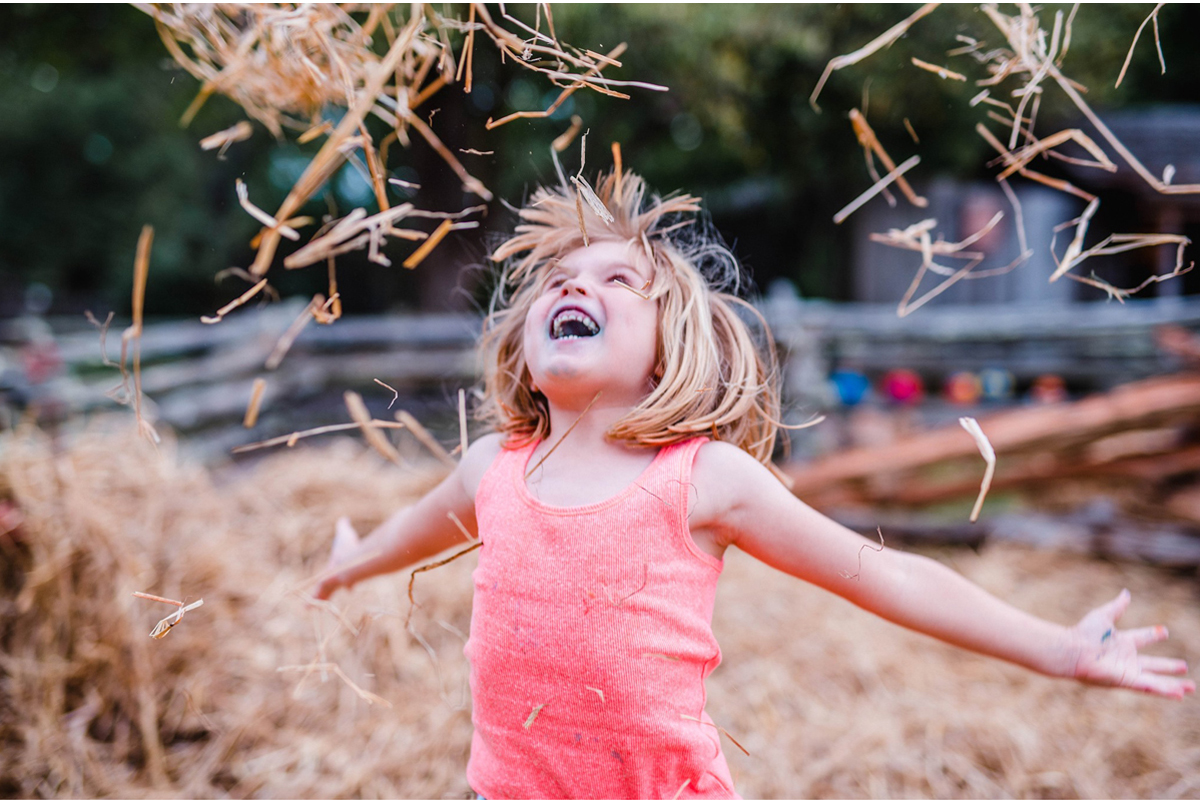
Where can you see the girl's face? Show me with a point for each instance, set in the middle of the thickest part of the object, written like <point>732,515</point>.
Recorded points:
<point>592,329</point>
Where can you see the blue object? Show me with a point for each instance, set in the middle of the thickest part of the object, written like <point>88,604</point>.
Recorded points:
<point>852,387</point>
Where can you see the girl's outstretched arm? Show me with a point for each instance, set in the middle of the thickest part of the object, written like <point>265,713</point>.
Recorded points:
<point>412,534</point>
<point>738,502</point>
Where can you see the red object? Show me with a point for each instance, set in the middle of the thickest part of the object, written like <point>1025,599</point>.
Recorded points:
<point>1048,388</point>
<point>903,386</point>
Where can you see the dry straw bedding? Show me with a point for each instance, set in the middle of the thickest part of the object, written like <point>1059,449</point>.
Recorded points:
<point>828,701</point>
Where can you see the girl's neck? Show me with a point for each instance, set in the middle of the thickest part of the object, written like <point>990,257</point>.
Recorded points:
<point>577,464</point>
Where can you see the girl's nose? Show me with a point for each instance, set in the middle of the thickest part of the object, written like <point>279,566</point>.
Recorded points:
<point>573,285</point>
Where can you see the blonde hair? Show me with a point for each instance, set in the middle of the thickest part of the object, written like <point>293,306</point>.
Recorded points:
<point>713,377</point>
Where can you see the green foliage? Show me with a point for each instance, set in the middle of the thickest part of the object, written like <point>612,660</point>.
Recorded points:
<point>91,149</point>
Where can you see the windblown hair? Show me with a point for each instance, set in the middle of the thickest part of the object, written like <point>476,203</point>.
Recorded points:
<point>714,377</point>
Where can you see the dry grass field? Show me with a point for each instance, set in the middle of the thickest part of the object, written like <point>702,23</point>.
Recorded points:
<point>234,701</point>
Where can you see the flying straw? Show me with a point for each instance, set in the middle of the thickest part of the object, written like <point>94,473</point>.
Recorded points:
<point>971,426</point>
<point>879,186</point>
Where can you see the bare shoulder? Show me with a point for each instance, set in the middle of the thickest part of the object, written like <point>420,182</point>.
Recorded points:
<point>478,459</point>
<point>726,478</point>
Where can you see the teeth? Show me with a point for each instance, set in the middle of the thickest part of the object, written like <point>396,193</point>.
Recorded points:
<point>572,315</point>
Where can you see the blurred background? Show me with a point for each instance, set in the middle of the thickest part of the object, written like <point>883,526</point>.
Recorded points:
<point>91,149</point>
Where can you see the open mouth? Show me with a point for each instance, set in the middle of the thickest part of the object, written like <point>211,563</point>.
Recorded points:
<point>571,323</point>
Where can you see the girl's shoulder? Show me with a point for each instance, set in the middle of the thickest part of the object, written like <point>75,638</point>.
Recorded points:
<point>478,459</point>
<point>726,478</point>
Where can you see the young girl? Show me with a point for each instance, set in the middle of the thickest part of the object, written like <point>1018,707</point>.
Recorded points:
<point>636,417</point>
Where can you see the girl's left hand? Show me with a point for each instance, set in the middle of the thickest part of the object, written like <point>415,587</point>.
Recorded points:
<point>1105,656</point>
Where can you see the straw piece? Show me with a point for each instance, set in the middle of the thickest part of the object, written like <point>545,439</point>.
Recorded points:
<point>911,132</point>
<point>533,715</point>
<point>427,246</point>
<point>868,546</point>
<point>1158,43</point>
<point>358,411</point>
<point>246,297</point>
<point>316,130</point>
<point>566,433</point>
<point>290,335</point>
<point>563,95</point>
<point>290,439</point>
<point>462,422</point>
<point>165,624</point>
<point>870,144</point>
<point>158,599</point>
<point>133,334</point>
<point>395,394</point>
<point>256,396</point>
<point>941,72</point>
<point>370,697</point>
<point>971,426</point>
<point>564,139</point>
<point>412,603</point>
<point>579,214</point>
<point>222,139</point>
<point>243,195</point>
<point>450,515</point>
<point>718,727</point>
<point>878,187</point>
<point>103,327</point>
<point>878,43</point>
<point>424,437</point>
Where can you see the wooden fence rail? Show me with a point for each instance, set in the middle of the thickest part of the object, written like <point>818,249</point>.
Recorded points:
<point>199,377</point>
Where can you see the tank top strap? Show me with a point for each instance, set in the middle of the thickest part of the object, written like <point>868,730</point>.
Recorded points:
<point>671,475</point>
<point>504,472</point>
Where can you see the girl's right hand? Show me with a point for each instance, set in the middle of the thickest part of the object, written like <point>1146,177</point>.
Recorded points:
<point>345,549</point>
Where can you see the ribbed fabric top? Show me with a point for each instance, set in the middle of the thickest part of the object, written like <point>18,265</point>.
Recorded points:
<point>591,637</point>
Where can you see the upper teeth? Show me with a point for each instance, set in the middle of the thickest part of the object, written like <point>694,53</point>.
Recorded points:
<point>571,315</point>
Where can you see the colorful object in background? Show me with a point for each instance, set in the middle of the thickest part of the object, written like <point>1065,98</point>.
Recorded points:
<point>903,386</point>
<point>1048,388</point>
<point>963,388</point>
<point>851,387</point>
<point>996,383</point>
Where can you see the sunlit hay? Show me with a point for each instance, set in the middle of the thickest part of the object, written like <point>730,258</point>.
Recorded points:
<point>287,66</point>
<point>1033,57</point>
<point>841,704</point>
<point>92,706</point>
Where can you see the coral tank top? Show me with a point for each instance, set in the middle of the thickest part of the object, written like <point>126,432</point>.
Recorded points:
<point>591,637</point>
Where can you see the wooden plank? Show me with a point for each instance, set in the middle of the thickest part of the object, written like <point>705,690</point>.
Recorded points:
<point>1140,404</point>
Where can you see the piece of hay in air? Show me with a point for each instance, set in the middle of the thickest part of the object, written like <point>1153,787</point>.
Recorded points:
<point>971,426</point>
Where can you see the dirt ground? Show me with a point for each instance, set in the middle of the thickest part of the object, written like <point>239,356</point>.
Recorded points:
<point>234,701</point>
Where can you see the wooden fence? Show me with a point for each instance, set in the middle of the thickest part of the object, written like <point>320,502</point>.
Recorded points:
<point>199,378</point>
